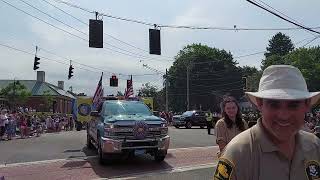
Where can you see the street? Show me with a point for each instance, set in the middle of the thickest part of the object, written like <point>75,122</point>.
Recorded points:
<point>64,156</point>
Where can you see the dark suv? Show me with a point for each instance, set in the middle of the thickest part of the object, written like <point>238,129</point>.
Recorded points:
<point>189,119</point>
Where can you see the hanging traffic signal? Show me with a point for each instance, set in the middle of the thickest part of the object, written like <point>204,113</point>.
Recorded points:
<point>154,41</point>
<point>95,33</point>
<point>114,81</point>
<point>244,83</point>
<point>70,72</point>
<point>36,63</point>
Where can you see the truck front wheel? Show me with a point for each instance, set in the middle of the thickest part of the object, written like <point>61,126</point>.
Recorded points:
<point>160,155</point>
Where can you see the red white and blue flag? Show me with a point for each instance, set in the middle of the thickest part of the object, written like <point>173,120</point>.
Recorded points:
<point>98,95</point>
<point>129,91</point>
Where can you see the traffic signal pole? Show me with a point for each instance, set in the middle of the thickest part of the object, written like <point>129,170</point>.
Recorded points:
<point>167,85</point>
<point>188,91</point>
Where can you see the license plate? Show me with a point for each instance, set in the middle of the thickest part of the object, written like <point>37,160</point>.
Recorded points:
<point>139,152</point>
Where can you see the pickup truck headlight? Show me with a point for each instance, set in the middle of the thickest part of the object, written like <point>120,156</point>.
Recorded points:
<point>164,129</point>
<point>108,130</point>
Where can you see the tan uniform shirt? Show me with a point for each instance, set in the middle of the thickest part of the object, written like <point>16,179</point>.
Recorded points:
<point>225,134</point>
<point>252,156</point>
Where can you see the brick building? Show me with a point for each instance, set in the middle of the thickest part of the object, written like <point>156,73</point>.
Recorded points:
<point>62,100</point>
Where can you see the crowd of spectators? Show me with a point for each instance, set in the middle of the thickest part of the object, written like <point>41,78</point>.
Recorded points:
<point>26,124</point>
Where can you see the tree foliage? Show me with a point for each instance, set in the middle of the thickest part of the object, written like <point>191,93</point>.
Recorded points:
<point>308,61</point>
<point>212,73</point>
<point>279,46</point>
<point>148,90</point>
<point>16,93</point>
<point>253,76</point>
<point>48,100</point>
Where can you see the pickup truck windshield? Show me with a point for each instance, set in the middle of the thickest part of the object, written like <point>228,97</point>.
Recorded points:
<point>126,108</point>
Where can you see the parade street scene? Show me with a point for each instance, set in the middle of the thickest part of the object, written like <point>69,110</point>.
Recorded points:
<point>159,90</point>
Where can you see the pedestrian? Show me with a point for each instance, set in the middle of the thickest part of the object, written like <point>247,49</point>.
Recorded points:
<point>3,119</point>
<point>11,128</point>
<point>275,148</point>
<point>231,124</point>
<point>23,127</point>
<point>209,119</point>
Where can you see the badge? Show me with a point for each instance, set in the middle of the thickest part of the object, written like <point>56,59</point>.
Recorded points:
<point>313,170</point>
<point>224,170</point>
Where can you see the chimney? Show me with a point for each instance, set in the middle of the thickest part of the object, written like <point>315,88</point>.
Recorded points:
<point>61,84</point>
<point>41,76</point>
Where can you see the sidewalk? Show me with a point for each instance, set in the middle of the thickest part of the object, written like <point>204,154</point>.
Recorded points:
<point>89,168</point>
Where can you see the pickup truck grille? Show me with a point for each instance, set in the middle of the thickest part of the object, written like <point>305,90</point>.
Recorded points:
<point>130,135</point>
<point>139,144</point>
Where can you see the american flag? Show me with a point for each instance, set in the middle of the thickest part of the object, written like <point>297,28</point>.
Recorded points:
<point>129,90</point>
<point>97,98</point>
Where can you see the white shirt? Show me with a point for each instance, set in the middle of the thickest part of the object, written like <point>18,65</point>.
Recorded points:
<point>3,119</point>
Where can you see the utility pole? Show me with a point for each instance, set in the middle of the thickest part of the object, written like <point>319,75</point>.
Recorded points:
<point>14,93</point>
<point>167,85</point>
<point>188,102</point>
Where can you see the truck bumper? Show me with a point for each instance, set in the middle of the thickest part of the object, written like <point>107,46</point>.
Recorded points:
<point>109,145</point>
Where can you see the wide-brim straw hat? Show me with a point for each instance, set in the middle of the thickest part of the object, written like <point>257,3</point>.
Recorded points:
<point>283,82</point>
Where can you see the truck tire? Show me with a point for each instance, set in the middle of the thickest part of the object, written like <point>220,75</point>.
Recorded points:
<point>100,152</point>
<point>159,156</point>
<point>79,126</point>
<point>188,125</point>
<point>89,143</point>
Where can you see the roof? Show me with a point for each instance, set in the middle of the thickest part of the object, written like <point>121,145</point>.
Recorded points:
<point>38,88</point>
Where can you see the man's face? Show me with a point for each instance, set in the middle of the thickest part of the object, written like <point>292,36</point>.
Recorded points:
<point>282,118</point>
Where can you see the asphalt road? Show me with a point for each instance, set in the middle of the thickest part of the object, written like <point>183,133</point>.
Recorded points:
<point>65,145</point>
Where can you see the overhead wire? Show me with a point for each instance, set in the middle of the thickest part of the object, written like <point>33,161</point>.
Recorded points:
<point>182,26</point>
<point>283,18</point>
<point>67,31</point>
<point>283,14</point>
<point>117,39</point>
<point>136,54</point>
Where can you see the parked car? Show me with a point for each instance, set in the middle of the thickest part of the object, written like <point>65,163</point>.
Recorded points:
<point>127,128</point>
<point>189,119</point>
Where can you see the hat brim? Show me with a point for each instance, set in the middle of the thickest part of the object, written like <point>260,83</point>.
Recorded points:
<point>283,94</point>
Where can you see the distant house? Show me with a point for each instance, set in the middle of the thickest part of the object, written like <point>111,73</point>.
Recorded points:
<point>62,100</point>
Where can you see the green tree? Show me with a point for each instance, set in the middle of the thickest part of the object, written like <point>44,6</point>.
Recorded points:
<point>147,90</point>
<point>48,100</point>
<point>212,73</point>
<point>308,61</point>
<point>279,45</point>
<point>16,94</point>
<point>253,76</point>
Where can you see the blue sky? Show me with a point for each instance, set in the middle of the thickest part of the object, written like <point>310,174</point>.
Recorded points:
<point>24,32</point>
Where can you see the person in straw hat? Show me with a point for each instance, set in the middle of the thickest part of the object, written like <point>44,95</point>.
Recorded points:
<point>275,148</point>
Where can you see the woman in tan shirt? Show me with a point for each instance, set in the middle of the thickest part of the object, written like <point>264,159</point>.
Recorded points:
<point>231,123</point>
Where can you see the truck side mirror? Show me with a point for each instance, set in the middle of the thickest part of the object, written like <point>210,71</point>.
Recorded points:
<point>94,113</point>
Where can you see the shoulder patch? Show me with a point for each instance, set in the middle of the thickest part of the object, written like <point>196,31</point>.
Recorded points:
<point>224,170</point>
<point>313,170</point>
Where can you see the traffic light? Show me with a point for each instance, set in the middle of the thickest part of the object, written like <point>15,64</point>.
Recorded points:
<point>36,63</point>
<point>114,81</point>
<point>95,33</point>
<point>70,72</point>
<point>154,41</point>
<point>244,83</point>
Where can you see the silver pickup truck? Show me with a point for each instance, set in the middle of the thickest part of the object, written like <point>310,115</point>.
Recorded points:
<point>127,128</point>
